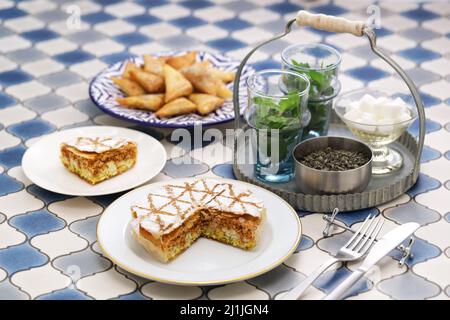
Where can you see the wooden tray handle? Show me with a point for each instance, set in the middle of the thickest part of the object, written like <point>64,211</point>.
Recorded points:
<point>329,23</point>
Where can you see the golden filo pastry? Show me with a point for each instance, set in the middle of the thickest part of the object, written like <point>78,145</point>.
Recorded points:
<point>151,102</point>
<point>129,87</point>
<point>204,81</point>
<point>183,61</point>
<point>154,65</point>
<point>176,107</point>
<point>205,103</point>
<point>176,84</point>
<point>128,68</point>
<point>149,81</point>
<point>225,76</point>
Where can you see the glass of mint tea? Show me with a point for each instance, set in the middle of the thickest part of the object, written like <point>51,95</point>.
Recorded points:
<point>277,101</point>
<point>320,63</point>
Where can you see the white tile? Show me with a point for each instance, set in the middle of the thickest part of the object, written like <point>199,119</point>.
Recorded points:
<point>12,43</point>
<point>40,280</point>
<point>395,43</point>
<point>19,202</point>
<point>439,140</point>
<point>74,92</point>
<point>65,116</point>
<point>42,67</point>
<point>6,64</point>
<point>3,274</point>
<point>438,7</point>
<point>439,113</point>
<point>85,6</point>
<point>57,243</point>
<point>7,140</point>
<point>441,45</point>
<point>440,25</point>
<point>440,89</point>
<point>145,48</point>
<point>238,291</point>
<point>437,200</point>
<point>160,30</point>
<point>36,6</point>
<point>10,236</point>
<point>391,84</point>
<point>207,32</point>
<point>440,66</point>
<point>6,4</point>
<point>302,36</point>
<point>124,9</point>
<point>404,198</point>
<point>352,5</point>
<point>56,46</point>
<point>437,168</point>
<point>103,47</point>
<point>345,41</point>
<point>74,209</point>
<point>251,35</point>
<point>349,61</point>
<point>114,27</point>
<point>23,24</point>
<point>18,174</point>
<point>404,63</point>
<point>214,14</point>
<point>397,23</point>
<point>435,270</point>
<point>265,2</point>
<point>66,27</point>
<point>89,68</point>
<point>15,114</point>
<point>241,53</point>
<point>434,232</point>
<point>106,285</point>
<point>169,11</point>
<point>349,83</point>
<point>259,16</point>
<point>161,291</point>
<point>28,90</point>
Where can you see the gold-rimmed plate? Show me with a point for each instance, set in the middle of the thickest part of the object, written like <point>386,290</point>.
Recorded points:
<point>206,262</point>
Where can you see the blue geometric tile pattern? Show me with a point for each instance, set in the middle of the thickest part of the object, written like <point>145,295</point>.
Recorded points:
<point>420,25</point>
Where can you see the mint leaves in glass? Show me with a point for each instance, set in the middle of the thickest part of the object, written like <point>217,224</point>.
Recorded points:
<point>320,63</point>
<point>277,102</point>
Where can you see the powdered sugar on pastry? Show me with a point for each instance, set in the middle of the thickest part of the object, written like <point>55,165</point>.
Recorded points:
<point>97,144</point>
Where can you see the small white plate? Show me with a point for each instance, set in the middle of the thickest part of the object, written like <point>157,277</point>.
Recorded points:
<point>41,163</point>
<point>206,262</point>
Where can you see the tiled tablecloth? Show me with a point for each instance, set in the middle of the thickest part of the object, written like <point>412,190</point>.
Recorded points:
<point>48,245</point>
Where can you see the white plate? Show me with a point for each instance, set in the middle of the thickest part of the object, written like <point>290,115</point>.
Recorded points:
<point>41,163</point>
<point>206,262</point>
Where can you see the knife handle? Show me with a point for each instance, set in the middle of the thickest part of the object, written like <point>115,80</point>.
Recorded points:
<point>342,288</point>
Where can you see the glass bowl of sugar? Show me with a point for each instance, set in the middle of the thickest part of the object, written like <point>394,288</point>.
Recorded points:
<point>377,119</point>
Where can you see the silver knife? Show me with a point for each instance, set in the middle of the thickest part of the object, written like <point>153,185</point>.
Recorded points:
<point>381,248</point>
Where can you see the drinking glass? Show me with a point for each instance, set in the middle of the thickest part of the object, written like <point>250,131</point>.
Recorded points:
<point>276,103</point>
<point>320,63</point>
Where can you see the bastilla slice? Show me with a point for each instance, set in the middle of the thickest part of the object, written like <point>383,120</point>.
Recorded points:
<point>176,107</point>
<point>150,102</point>
<point>129,87</point>
<point>205,102</point>
<point>176,84</point>
<point>150,82</point>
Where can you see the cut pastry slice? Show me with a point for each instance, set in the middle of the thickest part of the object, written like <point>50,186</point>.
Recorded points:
<point>183,61</point>
<point>150,82</point>
<point>176,84</point>
<point>150,102</point>
<point>128,68</point>
<point>154,65</point>
<point>129,87</point>
<point>205,102</point>
<point>176,107</point>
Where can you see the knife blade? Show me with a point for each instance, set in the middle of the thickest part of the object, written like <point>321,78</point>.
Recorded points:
<point>380,249</point>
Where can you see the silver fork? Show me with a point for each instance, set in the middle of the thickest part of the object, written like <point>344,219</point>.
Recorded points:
<point>354,249</point>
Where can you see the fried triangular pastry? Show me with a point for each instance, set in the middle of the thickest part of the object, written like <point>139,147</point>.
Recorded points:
<point>176,84</point>
<point>150,82</point>
<point>150,102</point>
<point>154,65</point>
<point>129,87</point>
<point>128,68</point>
<point>202,80</point>
<point>176,107</point>
<point>225,76</point>
<point>205,102</point>
<point>183,61</point>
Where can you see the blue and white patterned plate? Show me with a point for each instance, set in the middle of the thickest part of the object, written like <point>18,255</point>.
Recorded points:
<point>104,92</point>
